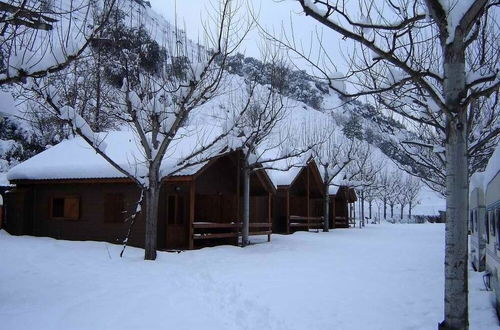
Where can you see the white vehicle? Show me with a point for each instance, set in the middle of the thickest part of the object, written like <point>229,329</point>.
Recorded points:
<point>484,205</point>
<point>477,228</point>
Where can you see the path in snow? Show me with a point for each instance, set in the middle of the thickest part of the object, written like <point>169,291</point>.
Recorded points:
<point>382,277</point>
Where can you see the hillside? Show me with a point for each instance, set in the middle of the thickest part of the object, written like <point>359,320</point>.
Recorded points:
<point>139,30</point>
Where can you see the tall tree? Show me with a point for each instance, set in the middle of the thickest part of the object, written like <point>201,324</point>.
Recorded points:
<point>413,186</point>
<point>414,54</point>
<point>156,104</point>
<point>333,156</point>
<point>362,174</point>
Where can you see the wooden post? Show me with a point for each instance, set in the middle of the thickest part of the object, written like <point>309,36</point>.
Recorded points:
<point>238,187</point>
<point>269,196</point>
<point>307,197</point>
<point>332,211</point>
<point>238,183</point>
<point>288,210</point>
<point>192,194</point>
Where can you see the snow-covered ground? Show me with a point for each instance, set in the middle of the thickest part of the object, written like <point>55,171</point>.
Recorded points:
<point>381,277</point>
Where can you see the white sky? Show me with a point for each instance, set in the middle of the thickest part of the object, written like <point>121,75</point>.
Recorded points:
<point>273,15</point>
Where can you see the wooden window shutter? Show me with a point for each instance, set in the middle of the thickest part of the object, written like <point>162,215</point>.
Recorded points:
<point>72,208</point>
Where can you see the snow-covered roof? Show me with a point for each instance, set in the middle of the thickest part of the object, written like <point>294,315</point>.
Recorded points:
<point>284,172</point>
<point>75,159</point>
<point>284,177</point>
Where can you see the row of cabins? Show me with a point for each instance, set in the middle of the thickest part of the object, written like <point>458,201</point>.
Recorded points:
<point>484,224</point>
<point>199,207</point>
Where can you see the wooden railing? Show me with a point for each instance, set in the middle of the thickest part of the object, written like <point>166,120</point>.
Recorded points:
<point>211,230</point>
<point>341,222</point>
<point>303,222</point>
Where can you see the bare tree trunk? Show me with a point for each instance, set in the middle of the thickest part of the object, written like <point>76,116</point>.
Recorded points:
<point>246,207</point>
<point>370,209</point>
<point>326,203</point>
<point>409,209</point>
<point>401,215</point>
<point>392,210</point>
<point>456,286</point>
<point>385,208</point>
<point>456,314</point>
<point>363,207</point>
<point>152,197</point>
<point>354,212</point>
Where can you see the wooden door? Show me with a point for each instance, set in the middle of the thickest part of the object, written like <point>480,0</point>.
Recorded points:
<point>177,221</point>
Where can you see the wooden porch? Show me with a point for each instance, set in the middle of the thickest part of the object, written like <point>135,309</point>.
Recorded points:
<point>299,204</point>
<point>214,214</point>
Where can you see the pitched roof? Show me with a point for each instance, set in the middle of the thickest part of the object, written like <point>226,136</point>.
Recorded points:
<point>76,159</point>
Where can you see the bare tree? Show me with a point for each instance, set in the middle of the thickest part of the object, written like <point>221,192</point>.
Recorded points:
<point>383,181</point>
<point>266,135</point>
<point>402,200</point>
<point>414,54</point>
<point>263,109</point>
<point>42,37</point>
<point>413,186</point>
<point>157,106</point>
<point>362,173</point>
<point>371,194</point>
<point>333,156</point>
<point>395,187</point>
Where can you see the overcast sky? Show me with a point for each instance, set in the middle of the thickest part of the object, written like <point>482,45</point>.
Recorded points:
<point>276,15</point>
<point>272,15</point>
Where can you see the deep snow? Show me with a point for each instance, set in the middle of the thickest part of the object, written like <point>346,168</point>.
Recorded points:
<point>381,277</point>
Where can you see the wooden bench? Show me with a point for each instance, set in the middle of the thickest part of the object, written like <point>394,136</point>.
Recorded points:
<point>261,228</point>
<point>341,222</point>
<point>297,221</point>
<point>211,230</point>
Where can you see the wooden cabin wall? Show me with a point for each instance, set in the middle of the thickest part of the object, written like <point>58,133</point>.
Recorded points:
<point>332,211</point>
<point>342,210</point>
<point>91,223</point>
<point>316,207</point>
<point>174,215</point>
<point>259,208</point>
<point>19,205</point>
<point>280,212</point>
<point>298,205</point>
<point>216,192</point>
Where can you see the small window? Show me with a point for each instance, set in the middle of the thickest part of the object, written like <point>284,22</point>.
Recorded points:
<point>114,208</point>
<point>67,207</point>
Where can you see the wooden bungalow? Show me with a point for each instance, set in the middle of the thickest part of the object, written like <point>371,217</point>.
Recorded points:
<point>340,207</point>
<point>197,208</point>
<point>299,199</point>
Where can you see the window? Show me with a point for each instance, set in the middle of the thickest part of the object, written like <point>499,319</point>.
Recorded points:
<point>114,208</point>
<point>67,207</point>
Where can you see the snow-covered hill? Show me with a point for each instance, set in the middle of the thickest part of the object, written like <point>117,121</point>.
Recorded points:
<point>308,100</point>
